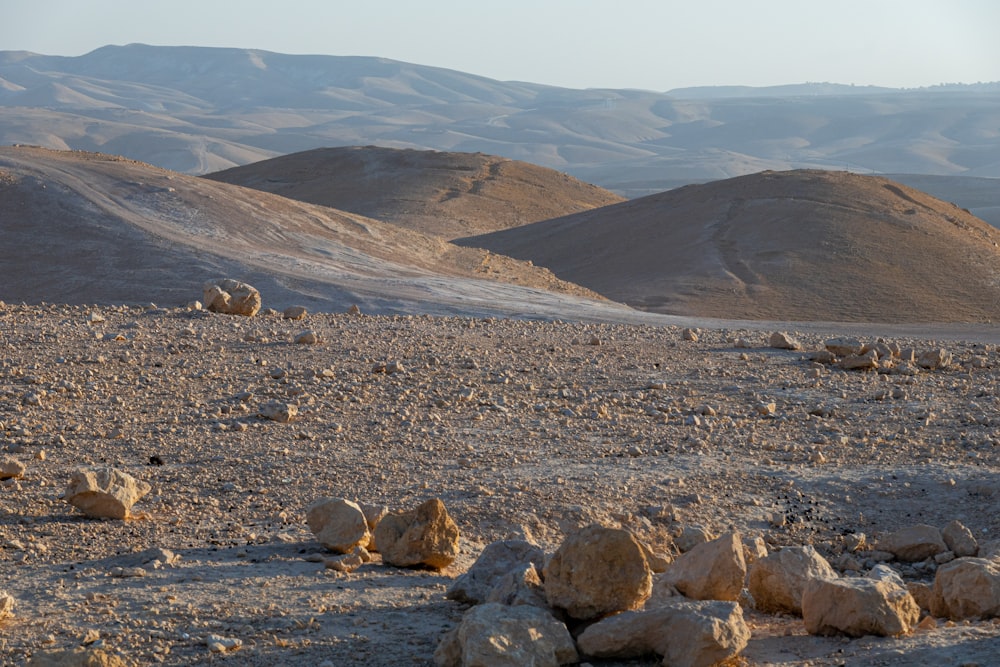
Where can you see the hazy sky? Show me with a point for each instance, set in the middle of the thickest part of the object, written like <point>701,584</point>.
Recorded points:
<point>652,44</point>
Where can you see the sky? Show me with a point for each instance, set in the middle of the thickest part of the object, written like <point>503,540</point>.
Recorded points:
<point>648,44</point>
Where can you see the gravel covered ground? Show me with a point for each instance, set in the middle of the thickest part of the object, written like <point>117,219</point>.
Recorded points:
<point>522,428</point>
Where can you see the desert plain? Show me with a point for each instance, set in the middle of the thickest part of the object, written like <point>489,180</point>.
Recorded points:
<point>535,352</point>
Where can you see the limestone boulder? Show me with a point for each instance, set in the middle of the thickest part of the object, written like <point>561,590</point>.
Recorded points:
<point>11,468</point>
<point>424,537</point>
<point>844,347</point>
<point>79,657</point>
<point>338,524</point>
<point>105,493</point>
<point>710,571</point>
<point>231,297</point>
<point>686,633</point>
<point>598,571</point>
<point>934,359</point>
<point>783,341</point>
<point>294,313</point>
<point>960,539</point>
<point>776,582</point>
<point>279,411</point>
<point>857,606</point>
<point>496,560</point>
<point>519,586</point>
<point>967,588</point>
<point>496,635</point>
<point>914,543</point>
<point>6,605</point>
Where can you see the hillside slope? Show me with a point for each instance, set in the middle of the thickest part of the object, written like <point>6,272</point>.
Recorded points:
<point>445,194</point>
<point>797,245</point>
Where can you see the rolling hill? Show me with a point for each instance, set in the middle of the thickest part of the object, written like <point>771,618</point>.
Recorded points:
<point>445,194</point>
<point>796,245</point>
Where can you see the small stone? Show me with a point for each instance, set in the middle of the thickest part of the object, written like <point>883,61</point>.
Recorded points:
<point>105,493</point>
<point>217,644</point>
<point>308,337</point>
<point>11,468</point>
<point>960,539</point>
<point>844,347</point>
<point>783,341</point>
<point>934,359</point>
<point>860,362</point>
<point>294,313</point>
<point>690,335</point>
<point>279,412</point>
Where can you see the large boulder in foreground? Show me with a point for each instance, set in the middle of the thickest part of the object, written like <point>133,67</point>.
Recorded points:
<point>710,571</point>
<point>598,571</point>
<point>686,633</point>
<point>496,560</point>
<point>857,606</point>
<point>967,588</point>
<point>496,635</point>
<point>424,537</point>
<point>338,524</point>
<point>776,582</point>
<point>105,493</point>
<point>231,297</point>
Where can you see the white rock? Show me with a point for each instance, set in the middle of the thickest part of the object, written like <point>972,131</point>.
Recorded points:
<point>783,341</point>
<point>307,337</point>
<point>691,536</point>
<point>967,588</point>
<point>496,635</point>
<point>710,571</point>
<point>960,539</point>
<point>11,468</point>
<point>105,493</point>
<point>338,524</point>
<point>777,581</point>
<point>856,606</point>
<point>6,604</point>
<point>520,586</point>
<point>279,411</point>
<point>686,633</point>
<point>424,537</point>
<point>598,571</point>
<point>934,359</point>
<point>844,347</point>
<point>914,543</point>
<point>294,313</point>
<point>231,297</point>
<point>496,560</point>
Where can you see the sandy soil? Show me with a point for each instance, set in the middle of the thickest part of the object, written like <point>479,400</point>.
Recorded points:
<point>522,428</point>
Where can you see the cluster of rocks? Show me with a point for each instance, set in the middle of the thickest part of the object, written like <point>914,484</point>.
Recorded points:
<point>855,355</point>
<point>425,537</point>
<point>605,595</point>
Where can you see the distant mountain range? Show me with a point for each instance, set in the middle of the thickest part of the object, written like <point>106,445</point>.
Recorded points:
<point>197,110</point>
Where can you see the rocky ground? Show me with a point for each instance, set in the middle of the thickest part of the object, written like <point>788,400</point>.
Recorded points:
<point>523,429</point>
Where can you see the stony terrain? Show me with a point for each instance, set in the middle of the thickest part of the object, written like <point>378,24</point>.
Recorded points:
<point>523,429</point>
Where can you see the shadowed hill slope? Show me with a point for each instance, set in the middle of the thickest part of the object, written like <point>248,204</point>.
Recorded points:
<point>445,194</point>
<point>796,245</point>
<point>92,228</point>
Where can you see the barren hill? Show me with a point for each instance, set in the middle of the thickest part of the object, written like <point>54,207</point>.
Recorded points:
<point>443,193</point>
<point>92,228</point>
<point>796,245</point>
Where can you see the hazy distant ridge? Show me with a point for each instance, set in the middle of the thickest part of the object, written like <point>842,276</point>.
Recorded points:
<point>198,110</point>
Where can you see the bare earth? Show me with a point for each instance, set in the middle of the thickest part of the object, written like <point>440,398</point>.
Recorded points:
<point>521,428</point>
